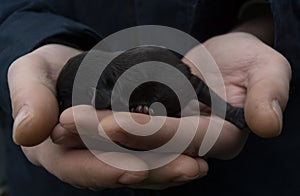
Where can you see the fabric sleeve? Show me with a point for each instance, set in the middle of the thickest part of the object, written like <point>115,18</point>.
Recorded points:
<point>215,17</point>
<point>26,25</point>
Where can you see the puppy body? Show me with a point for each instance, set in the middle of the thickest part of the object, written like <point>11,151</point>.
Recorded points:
<point>147,93</point>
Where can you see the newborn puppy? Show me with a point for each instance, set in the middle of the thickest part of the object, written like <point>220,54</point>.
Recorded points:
<point>147,93</point>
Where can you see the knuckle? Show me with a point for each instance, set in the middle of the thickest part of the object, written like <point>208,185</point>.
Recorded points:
<point>14,66</point>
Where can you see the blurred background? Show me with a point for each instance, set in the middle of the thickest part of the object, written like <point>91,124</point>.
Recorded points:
<point>3,188</point>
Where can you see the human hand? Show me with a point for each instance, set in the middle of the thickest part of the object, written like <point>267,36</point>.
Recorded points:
<point>72,163</point>
<point>32,80</point>
<point>255,76</point>
<point>81,168</point>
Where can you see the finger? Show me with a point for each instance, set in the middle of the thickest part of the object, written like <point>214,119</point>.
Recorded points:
<point>35,108</point>
<point>120,128</point>
<point>83,169</point>
<point>180,171</point>
<point>78,126</point>
<point>223,142</point>
<point>72,138</point>
<point>66,137</point>
<point>267,95</point>
<point>83,117</point>
<point>227,144</point>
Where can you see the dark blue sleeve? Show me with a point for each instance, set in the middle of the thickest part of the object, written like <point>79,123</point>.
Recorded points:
<point>25,25</point>
<point>287,30</point>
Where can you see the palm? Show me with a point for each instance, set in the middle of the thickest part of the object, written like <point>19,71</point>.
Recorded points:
<point>256,77</point>
<point>237,57</point>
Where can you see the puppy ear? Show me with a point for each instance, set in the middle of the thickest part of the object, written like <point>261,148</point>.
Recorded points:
<point>100,99</point>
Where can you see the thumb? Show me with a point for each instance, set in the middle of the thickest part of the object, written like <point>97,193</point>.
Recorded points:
<point>34,105</point>
<point>267,96</point>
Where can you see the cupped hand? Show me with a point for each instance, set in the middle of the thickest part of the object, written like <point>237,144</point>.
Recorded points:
<point>32,80</point>
<point>81,168</point>
<point>256,77</point>
<point>177,171</point>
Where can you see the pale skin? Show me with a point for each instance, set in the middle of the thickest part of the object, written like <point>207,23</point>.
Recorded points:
<point>256,77</point>
<point>251,74</point>
<point>37,72</point>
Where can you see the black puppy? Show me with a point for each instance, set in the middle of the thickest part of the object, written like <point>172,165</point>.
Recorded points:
<point>147,93</point>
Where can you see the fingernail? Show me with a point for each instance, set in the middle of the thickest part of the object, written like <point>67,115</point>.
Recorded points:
<point>22,115</point>
<point>68,126</point>
<point>128,178</point>
<point>277,109</point>
<point>186,178</point>
<point>101,132</point>
<point>58,140</point>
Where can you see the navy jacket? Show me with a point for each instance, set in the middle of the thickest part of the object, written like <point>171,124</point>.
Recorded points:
<point>264,167</point>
